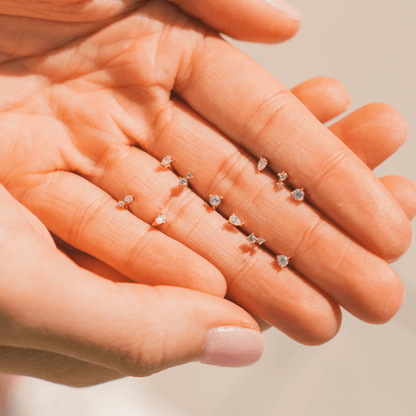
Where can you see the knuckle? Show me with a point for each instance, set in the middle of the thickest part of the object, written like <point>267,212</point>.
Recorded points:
<point>231,170</point>
<point>267,114</point>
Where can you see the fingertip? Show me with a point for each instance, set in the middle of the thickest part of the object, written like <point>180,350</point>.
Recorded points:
<point>325,97</point>
<point>386,302</point>
<point>266,21</point>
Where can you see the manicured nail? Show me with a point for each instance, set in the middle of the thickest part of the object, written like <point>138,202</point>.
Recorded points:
<point>233,347</point>
<point>286,7</point>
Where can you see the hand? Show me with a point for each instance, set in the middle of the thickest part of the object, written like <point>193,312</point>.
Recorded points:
<point>72,121</point>
<point>65,324</point>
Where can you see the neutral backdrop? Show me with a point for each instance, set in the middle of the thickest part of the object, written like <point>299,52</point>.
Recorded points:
<point>370,45</point>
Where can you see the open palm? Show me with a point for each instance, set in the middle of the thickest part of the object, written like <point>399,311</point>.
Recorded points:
<point>86,119</point>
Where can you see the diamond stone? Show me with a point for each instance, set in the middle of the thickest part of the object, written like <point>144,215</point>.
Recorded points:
<point>128,199</point>
<point>166,161</point>
<point>189,175</point>
<point>234,220</point>
<point>121,204</point>
<point>160,219</point>
<point>280,184</point>
<point>183,181</point>
<point>214,201</point>
<point>251,239</point>
<point>298,194</point>
<point>260,241</point>
<point>282,260</point>
<point>282,176</point>
<point>261,165</point>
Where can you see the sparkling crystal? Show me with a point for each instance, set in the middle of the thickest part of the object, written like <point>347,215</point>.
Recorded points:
<point>183,181</point>
<point>234,220</point>
<point>166,161</point>
<point>161,219</point>
<point>128,199</point>
<point>189,175</point>
<point>298,194</point>
<point>282,260</point>
<point>261,165</point>
<point>260,241</point>
<point>251,239</point>
<point>280,184</point>
<point>214,200</point>
<point>282,176</point>
<point>121,204</point>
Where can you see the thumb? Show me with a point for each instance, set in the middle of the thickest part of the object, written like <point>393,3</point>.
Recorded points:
<point>267,21</point>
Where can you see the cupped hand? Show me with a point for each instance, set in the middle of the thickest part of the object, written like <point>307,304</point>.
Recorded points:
<point>84,125</point>
<point>65,324</point>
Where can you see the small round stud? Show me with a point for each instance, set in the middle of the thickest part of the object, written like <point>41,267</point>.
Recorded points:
<point>215,201</point>
<point>251,239</point>
<point>260,241</point>
<point>299,194</point>
<point>282,260</point>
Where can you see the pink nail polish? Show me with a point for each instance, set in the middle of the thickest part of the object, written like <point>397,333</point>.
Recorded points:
<point>233,347</point>
<point>286,7</point>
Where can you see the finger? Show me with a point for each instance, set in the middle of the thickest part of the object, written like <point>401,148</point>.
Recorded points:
<point>266,21</point>
<point>90,263</point>
<point>373,132</point>
<point>50,304</point>
<point>53,367</point>
<point>125,243</point>
<point>324,97</point>
<point>404,191</point>
<point>232,88</point>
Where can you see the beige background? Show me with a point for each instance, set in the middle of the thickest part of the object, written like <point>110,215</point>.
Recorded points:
<point>370,45</point>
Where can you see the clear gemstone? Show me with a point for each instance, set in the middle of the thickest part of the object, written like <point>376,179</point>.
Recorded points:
<point>251,238</point>
<point>298,194</point>
<point>121,204</point>
<point>260,240</point>
<point>161,219</point>
<point>128,199</point>
<point>166,161</point>
<point>214,200</point>
<point>183,181</point>
<point>234,220</point>
<point>280,184</point>
<point>261,165</point>
<point>189,175</point>
<point>282,176</point>
<point>282,260</point>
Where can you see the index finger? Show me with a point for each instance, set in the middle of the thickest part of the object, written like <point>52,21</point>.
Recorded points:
<point>258,113</point>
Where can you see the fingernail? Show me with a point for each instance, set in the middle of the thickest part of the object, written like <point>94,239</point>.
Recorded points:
<point>233,347</point>
<point>286,7</point>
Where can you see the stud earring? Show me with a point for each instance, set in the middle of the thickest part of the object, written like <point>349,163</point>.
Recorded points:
<point>215,201</point>
<point>167,162</point>
<point>160,219</point>
<point>299,194</point>
<point>128,200</point>
<point>184,181</point>
<point>234,220</point>
<point>261,164</point>
<point>282,260</point>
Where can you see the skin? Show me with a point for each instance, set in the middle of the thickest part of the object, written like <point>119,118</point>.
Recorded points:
<point>72,121</point>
